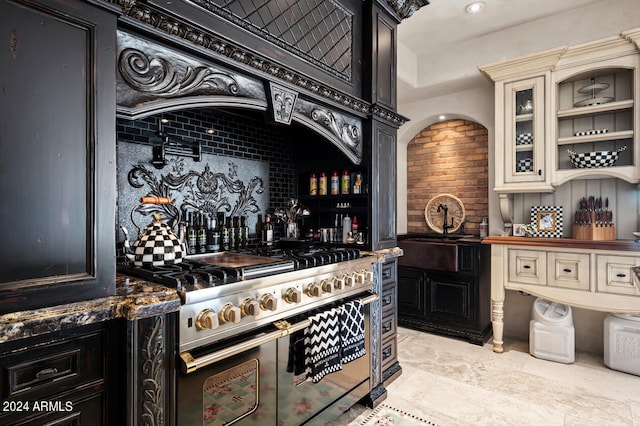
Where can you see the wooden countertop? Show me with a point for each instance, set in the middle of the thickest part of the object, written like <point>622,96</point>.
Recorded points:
<point>620,245</point>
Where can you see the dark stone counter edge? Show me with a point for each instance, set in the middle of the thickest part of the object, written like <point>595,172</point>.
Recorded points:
<point>135,299</point>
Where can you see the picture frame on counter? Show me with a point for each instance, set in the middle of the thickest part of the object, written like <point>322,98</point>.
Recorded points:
<point>517,230</point>
<point>548,221</point>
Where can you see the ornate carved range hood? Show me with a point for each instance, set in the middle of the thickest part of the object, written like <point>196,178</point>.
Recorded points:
<point>192,67</point>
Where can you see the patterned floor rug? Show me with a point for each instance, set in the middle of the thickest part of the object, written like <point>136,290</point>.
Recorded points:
<point>386,415</point>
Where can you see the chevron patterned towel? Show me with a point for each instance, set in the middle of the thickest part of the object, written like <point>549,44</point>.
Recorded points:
<point>352,331</point>
<point>322,344</point>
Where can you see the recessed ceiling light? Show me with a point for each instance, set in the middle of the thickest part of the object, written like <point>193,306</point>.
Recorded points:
<point>474,7</point>
<point>442,117</point>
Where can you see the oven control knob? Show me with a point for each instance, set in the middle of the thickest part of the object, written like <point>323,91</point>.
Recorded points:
<point>349,280</point>
<point>268,302</point>
<point>292,295</point>
<point>359,277</point>
<point>338,283</point>
<point>314,290</point>
<point>207,319</point>
<point>326,286</point>
<point>230,313</point>
<point>368,276</point>
<point>250,307</point>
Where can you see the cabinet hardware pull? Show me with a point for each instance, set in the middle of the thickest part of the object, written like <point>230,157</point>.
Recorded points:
<point>526,266</point>
<point>386,327</point>
<point>386,300</point>
<point>386,273</point>
<point>567,270</point>
<point>386,352</point>
<point>189,364</point>
<point>621,275</point>
<point>46,373</point>
<point>539,172</point>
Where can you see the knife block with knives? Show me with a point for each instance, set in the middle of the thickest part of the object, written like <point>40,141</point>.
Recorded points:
<point>593,221</point>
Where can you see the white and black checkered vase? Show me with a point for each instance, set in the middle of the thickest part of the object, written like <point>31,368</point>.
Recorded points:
<point>590,160</point>
<point>157,246</point>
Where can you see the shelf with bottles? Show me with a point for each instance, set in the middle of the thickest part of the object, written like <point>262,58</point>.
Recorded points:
<point>338,183</point>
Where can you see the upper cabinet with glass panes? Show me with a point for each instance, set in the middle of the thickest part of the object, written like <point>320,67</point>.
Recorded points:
<point>567,113</point>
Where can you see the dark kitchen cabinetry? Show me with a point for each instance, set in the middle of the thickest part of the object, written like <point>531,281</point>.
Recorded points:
<point>57,162</point>
<point>451,299</point>
<point>60,379</point>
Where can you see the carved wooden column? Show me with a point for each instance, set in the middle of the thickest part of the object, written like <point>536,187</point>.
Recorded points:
<point>151,371</point>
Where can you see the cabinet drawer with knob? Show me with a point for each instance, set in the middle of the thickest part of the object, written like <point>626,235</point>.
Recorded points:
<point>528,267</point>
<point>46,370</point>
<point>568,270</point>
<point>614,274</point>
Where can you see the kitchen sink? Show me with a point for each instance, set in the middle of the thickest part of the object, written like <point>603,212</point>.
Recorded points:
<point>435,253</point>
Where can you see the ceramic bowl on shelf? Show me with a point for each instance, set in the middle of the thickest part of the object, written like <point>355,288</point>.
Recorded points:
<point>594,159</point>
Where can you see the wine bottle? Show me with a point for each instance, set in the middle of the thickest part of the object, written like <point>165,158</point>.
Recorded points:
<point>192,238</point>
<point>225,235</point>
<point>202,233</point>
<point>267,232</point>
<point>213,236</point>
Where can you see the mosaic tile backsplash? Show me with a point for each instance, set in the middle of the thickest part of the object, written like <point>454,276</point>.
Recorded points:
<point>246,168</point>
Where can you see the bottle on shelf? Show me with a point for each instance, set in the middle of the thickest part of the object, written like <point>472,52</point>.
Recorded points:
<point>267,232</point>
<point>354,224</point>
<point>484,228</point>
<point>357,184</point>
<point>202,233</point>
<point>322,184</point>
<point>313,184</point>
<point>338,230</point>
<point>225,234</point>
<point>335,183</point>
<point>259,226</point>
<point>192,236</point>
<point>346,227</point>
<point>345,183</point>
<point>213,235</point>
<point>245,232</point>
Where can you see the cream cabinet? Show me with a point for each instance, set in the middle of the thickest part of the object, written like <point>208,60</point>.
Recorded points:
<point>580,99</point>
<point>596,276</point>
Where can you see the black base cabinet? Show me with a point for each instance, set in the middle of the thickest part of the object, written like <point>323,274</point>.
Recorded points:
<point>453,303</point>
<point>61,378</point>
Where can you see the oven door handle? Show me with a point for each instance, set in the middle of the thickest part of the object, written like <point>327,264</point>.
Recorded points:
<point>190,364</point>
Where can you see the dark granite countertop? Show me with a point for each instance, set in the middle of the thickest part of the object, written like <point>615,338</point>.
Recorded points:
<point>134,299</point>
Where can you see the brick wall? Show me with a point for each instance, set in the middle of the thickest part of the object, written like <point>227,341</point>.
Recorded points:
<point>448,157</point>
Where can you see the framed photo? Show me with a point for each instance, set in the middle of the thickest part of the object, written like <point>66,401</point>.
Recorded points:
<point>547,221</point>
<point>517,230</point>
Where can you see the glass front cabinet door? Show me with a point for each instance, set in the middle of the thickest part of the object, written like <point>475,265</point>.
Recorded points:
<point>524,134</point>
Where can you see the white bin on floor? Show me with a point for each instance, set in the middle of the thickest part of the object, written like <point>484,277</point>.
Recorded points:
<point>551,332</point>
<point>622,343</point>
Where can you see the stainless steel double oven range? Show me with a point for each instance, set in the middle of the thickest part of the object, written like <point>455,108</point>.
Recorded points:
<point>240,327</point>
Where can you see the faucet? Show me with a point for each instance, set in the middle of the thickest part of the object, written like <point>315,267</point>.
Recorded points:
<point>445,226</point>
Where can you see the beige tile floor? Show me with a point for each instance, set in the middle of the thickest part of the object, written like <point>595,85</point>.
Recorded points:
<point>451,382</point>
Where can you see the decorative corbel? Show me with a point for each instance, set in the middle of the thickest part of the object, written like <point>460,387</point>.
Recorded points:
<point>283,101</point>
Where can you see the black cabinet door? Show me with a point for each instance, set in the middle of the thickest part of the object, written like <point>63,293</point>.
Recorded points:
<point>411,292</point>
<point>57,153</point>
<point>452,298</point>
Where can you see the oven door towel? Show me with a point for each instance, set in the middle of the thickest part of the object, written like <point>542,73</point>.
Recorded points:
<point>352,331</point>
<point>322,345</point>
<point>333,338</point>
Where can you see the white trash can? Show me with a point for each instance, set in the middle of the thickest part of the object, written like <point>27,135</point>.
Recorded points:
<point>551,332</point>
<point>622,343</point>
